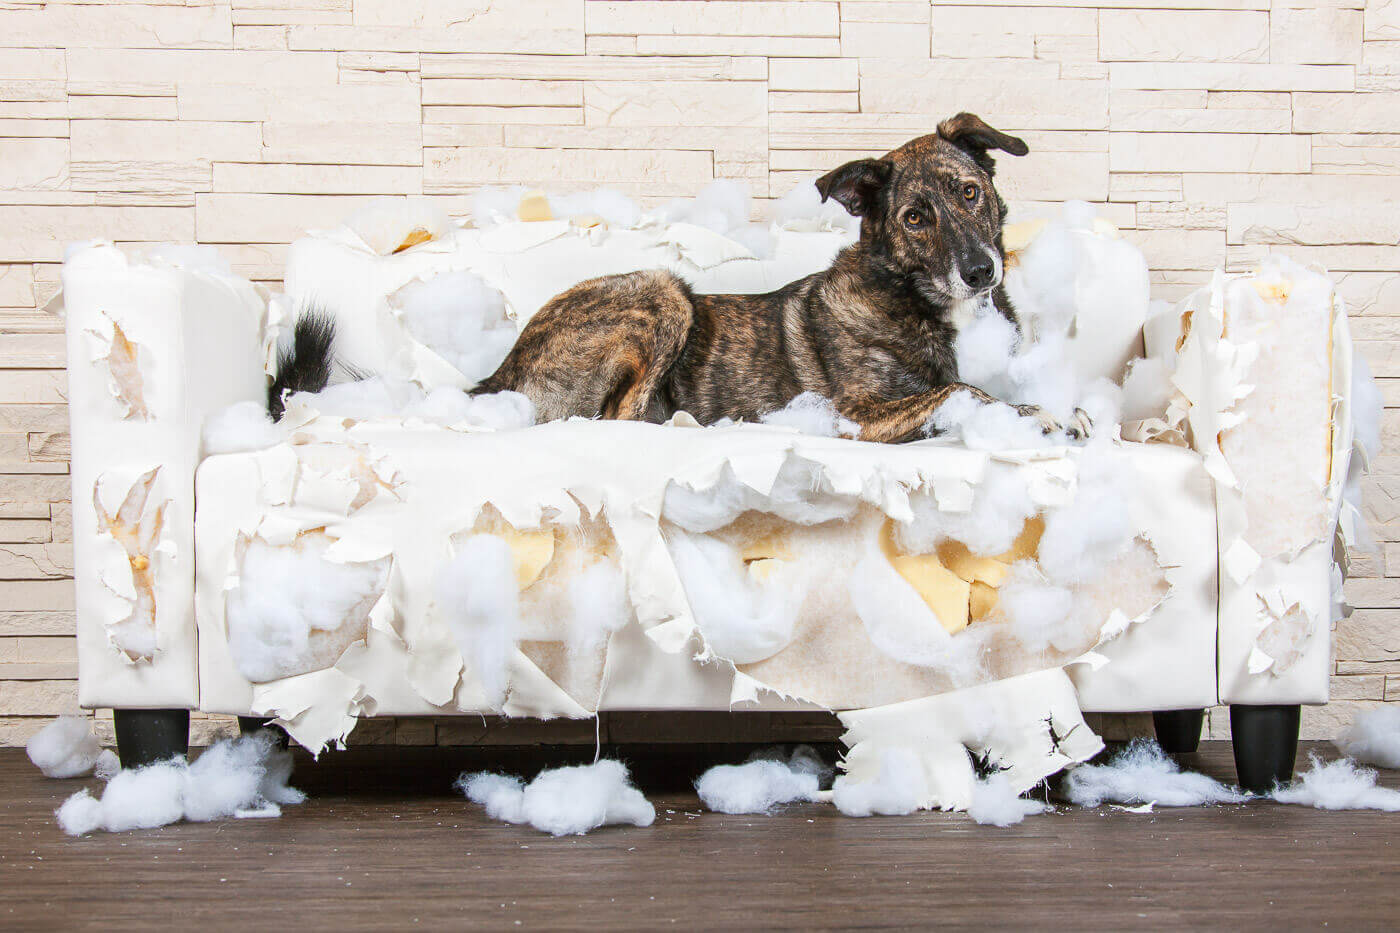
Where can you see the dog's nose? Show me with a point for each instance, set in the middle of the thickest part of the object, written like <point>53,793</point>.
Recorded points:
<point>979,276</point>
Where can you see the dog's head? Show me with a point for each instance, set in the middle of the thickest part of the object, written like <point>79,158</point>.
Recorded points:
<point>929,210</point>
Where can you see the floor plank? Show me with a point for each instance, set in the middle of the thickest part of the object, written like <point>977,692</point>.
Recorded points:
<point>383,842</point>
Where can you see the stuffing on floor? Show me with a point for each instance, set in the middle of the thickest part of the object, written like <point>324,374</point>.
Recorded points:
<point>1142,773</point>
<point>562,801</point>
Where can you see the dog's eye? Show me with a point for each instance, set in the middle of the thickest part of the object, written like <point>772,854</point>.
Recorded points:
<point>914,218</point>
<point>970,192</point>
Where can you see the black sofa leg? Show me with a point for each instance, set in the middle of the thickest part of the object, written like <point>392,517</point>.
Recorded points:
<point>1266,742</point>
<point>249,725</point>
<point>1178,730</point>
<point>149,735</point>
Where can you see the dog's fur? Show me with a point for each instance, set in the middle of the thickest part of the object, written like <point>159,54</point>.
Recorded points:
<point>874,332</point>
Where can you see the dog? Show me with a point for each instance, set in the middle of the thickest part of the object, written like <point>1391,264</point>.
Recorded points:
<point>874,332</point>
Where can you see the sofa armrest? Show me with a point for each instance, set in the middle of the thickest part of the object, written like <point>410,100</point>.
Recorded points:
<point>153,348</point>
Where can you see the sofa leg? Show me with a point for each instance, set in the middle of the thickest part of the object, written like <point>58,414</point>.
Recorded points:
<point>1266,742</point>
<point>1178,730</point>
<point>248,725</point>
<point>149,735</point>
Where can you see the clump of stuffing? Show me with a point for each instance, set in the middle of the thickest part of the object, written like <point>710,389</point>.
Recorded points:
<point>743,619</point>
<point>236,777</point>
<point>239,427</point>
<point>1082,538</point>
<point>562,801</point>
<point>1338,785</point>
<point>797,496</point>
<point>1001,504</point>
<point>1373,737</point>
<point>810,413</point>
<point>476,593</point>
<point>459,317</point>
<point>802,210</point>
<point>616,209</point>
<point>491,206</point>
<point>896,790</point>
<point>994,803</point>
<point>67,748</point>
<point>762,783</point>
<point>392,224</point>
<point>987,425</point>
<point>598,597</point>
<point>721,206</point>
<point>294,610</point>
<point>1143,773</point>
<point>378,397</point>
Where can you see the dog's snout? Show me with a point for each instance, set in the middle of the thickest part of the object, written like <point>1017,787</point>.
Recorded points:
<point>979,275</point>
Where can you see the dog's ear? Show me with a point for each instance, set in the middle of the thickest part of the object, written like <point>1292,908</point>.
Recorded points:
<point>971,134</point>
<point>855,185</point>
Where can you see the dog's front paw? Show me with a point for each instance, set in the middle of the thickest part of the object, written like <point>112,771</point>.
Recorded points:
<point>1080,425</point>
<point>1048,424</point>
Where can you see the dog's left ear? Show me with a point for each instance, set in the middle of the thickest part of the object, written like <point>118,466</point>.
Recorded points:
<point>855,185</point>
<point>971,134</point>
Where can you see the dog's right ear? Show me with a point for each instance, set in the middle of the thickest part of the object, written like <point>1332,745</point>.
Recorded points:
<point>855,185</point>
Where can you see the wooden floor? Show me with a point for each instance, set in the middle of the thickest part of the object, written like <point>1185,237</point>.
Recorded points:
<point>384,844</point>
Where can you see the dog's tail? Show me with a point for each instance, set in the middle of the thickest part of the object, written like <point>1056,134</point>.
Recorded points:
<point>305,365</point>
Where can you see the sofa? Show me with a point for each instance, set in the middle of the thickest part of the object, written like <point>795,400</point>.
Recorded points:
<point>396,548</point>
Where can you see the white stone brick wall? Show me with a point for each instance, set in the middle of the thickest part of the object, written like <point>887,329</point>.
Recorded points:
<point>1211,133</point>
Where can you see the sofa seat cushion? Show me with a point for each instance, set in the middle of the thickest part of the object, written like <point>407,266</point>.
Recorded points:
<point>577,566</point>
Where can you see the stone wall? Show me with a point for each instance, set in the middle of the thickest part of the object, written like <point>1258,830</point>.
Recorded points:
<point>1210,134</point>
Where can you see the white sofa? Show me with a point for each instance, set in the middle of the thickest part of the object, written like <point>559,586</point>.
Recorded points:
<point>310,578</point>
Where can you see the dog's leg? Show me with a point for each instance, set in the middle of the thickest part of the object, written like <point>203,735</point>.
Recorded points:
<point>894,421</point>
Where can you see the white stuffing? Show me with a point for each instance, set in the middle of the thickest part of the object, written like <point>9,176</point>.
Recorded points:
<point>598,599</point>
<point>562,801</point>
<point>1338,785</point>
<point>386,223</point>
<point>616,209</point>
<point>902,626</point>
<point>459,317</point>
<point>1143,773</point>
<point>743,620</point>
<point>762,783</point>
<point>1082,538</point>
<point>803,210</point>
<point>291,603</point>
<point>987,425</point>
<point>378,397</point>
<point>797,495</point>
<point>239,427</point>
<point>898,789</point>
<point>721,206</point>
<point>994,803</point>
<point>1036,609</point>
<point>67,748</point>
<point>811,413</point>
<point>1001,504</point>
<point>1373,737</point>
<point>1367,406</point>
<point>231,777</point>
<point>1147,389</point>
<point>491,206</point>
<point>476,593</point>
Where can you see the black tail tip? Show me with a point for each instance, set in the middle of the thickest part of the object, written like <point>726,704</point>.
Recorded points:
<point>305,365</point>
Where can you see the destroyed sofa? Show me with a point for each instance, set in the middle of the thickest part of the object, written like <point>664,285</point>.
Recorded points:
<point>393,549</point>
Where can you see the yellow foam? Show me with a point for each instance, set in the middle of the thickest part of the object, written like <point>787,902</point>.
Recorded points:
<point>415,236</point>
<point>534,205</point>
<point>942,591</point>
<point>532,551</point>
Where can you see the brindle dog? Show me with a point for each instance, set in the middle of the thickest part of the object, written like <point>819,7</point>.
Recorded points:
<point>874,333</point>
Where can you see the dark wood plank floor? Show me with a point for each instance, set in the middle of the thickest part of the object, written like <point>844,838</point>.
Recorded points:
<point>384,844</point>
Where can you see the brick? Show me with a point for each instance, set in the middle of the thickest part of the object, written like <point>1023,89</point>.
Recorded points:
<point>497,116</point>
<point>954,44</point>
<point>1346,113</point>
<point>347,143</point>
<point>747,143</point>
<point>714,18</point>
<point>36,595</point>
<point>1315,36</point>
<point>667,172</point>
<point>166,178</point>
<point>1017,103</point>
<point>1218,76</point>
<point>1313,224</point>
<point>268,218</point>
<point>554,38</point>
<point>119,25</point>
<point>139,140</point>
<point>39,698</point>
<point>1358,687</point>
<point>25,531</point>
<point>1382,20</point>
<point>44,650</point>
<point>33,418</point>
<point>1327,722</point>
<point>502,92</point>
<point>1179,249</point>
<point>985,20</point>
<point>61,520</point>
<point>813,101</point>
<point>316,179</point>
<point>1368,293</point>
<point>884,39</point>
<point>774,46</point>
<point>813,74</point>
<point>591,68</point>
<point>34,386</point>
<point>690,103</point>
<point>232,102</point>
<point>1183,36</point>
<point>33,64</point>
<point>49,446</point>
<point>1136,186</point>
<point>16,285</point>
<point>110,71</point>
<point>33,163</point>
<point>1355,153</point>
<point>1211,152</point>
<point>35,561</point>
<point>282,12</point>
<point>47,129</point>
